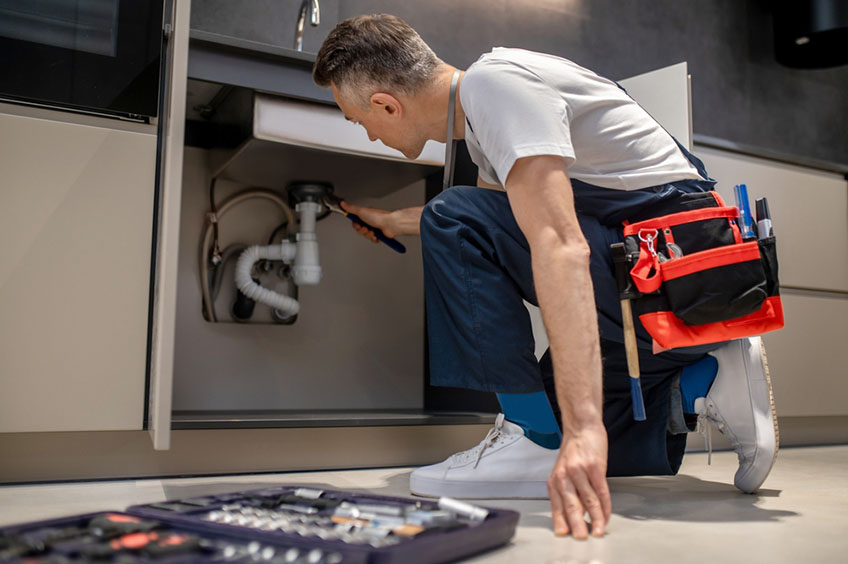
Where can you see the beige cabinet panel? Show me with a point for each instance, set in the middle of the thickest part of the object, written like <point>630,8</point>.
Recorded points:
<point>76,205</point>
<point>809,209</point>
<point>808,371</point>
<point>664,93</point>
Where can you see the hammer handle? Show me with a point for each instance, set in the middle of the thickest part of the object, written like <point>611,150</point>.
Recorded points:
<point>632,361</point>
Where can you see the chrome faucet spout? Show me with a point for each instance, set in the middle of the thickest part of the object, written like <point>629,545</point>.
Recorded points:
<point>314,20</point>
<point>316,13</point>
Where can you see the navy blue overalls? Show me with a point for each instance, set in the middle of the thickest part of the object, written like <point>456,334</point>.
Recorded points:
<point>477,272</point>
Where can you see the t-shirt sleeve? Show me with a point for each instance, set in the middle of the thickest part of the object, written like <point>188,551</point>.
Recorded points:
<point>514,114</point>
<point>484,174</point>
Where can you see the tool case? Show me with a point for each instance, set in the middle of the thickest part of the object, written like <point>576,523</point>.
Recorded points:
<point>287,524</point>
<point>82,538</point>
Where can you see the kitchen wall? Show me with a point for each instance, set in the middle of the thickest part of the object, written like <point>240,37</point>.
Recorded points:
<point>740,93</point>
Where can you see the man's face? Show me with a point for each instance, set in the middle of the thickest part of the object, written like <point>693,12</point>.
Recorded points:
<point>383,120</point>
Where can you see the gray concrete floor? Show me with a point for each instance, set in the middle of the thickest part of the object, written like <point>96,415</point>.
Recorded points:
<point>697,516</point>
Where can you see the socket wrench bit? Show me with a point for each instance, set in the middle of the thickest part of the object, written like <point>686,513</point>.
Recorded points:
<point>240,520</point>
<point>213,516</point>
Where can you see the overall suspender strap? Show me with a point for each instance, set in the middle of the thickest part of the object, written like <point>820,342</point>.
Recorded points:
<point>450,143</point>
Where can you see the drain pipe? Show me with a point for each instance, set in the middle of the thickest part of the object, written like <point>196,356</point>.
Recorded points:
<point>304,253</point>
<point>244,281</point>
<point>307,268</point>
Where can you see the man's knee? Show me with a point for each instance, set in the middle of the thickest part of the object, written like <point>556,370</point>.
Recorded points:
<point>447,209</point>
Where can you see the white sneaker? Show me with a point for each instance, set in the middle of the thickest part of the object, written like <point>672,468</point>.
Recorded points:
<point>740,403</point>
<point>506,464</point>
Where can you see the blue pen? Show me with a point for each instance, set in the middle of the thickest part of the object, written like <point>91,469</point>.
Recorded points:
<point>746,221</point>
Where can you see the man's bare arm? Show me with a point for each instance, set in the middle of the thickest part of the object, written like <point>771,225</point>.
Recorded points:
<point>404,221</point>
<point>542,201</point>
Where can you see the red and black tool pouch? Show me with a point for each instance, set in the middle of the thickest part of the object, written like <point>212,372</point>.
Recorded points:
<point>696,280</point>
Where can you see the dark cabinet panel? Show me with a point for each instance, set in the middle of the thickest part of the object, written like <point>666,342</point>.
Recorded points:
<point>265,21</point>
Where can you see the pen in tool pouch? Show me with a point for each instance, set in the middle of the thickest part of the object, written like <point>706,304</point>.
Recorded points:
<point>333,203</point>
<point>746,221</point>
<point>764,228</point>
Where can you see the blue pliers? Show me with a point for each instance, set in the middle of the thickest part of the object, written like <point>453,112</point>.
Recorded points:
<point>333,204</point>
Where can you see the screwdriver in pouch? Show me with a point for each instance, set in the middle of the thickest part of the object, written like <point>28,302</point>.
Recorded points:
<point>333,203</point>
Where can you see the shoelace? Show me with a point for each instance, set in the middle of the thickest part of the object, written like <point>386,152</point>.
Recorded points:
<point>705,430</point>
<point>491,438</point>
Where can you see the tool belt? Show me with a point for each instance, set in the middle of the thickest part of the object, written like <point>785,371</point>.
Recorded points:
<point>693,280</point>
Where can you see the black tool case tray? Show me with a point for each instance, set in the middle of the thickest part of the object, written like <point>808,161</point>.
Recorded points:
<point>436,547</point>
<point>67,552</point>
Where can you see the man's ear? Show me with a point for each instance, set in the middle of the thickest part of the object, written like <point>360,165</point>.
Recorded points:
<point>386,104</point>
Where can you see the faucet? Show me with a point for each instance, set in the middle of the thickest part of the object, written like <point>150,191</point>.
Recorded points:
<point>314,20</point>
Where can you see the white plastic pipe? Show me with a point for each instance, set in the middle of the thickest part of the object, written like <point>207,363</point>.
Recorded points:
<point>304,253</point>
<point>244,281</point>
<point>307,268</point>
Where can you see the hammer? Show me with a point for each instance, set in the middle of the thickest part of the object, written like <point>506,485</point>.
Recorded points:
<point>625,293</point>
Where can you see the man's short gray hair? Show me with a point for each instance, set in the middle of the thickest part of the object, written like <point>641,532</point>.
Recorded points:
<point>366,54</point>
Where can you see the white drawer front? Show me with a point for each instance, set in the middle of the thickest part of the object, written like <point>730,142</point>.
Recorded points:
<point>809,211</point>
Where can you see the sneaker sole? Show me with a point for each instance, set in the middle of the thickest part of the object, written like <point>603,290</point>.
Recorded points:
<point>428,487</point>
<point>773,412</point>
<point>771,404</point>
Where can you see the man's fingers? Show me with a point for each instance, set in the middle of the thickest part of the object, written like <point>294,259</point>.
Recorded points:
<point>601,487</point>
<point>368,215</point>
<point>592,503</point>
<point>575,512</point>
<point>365,232</point>
<point>350,208</point>
<point>557,509</point>
<point>566,506</point>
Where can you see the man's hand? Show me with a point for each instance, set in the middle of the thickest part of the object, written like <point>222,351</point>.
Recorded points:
<point>578,485</point>
<point>381,219</point>
<point>391,223</point>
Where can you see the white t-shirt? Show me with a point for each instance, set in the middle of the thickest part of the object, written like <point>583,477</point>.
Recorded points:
<point>520,104</point>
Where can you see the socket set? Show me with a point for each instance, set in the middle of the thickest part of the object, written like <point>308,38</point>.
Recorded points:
<point>121,538</point>
<point>361,527</point>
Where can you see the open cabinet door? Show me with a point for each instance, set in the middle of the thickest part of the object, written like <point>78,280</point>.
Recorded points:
<point>164,298</point>
<point>665,94</point>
